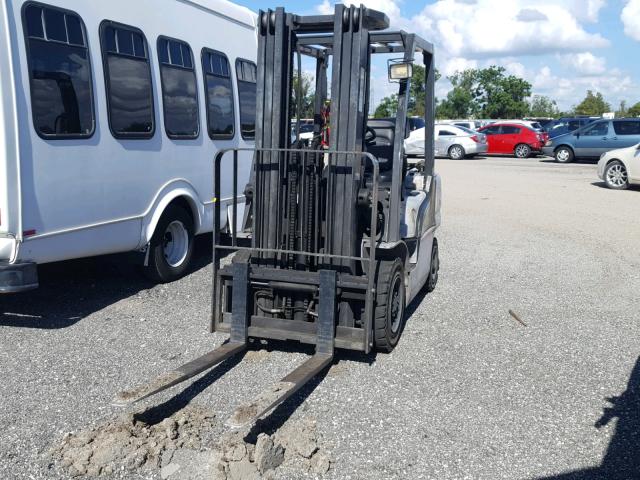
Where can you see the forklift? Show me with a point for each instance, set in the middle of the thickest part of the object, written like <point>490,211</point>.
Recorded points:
<point>342,231</point>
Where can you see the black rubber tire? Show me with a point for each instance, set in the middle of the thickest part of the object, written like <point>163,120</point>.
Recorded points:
<point>454,148</point>
<point>158,268</point>
<point>432,280</point>
<point>570,157</point>
<point>390,296</point>
<point>613,186</point>
<point>522,150</point>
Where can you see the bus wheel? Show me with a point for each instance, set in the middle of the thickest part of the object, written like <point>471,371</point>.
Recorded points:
<point>171,247</point>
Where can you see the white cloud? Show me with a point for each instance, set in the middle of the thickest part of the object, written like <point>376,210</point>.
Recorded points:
<point>456,64</point>
<point>516,68</point>
<point>531,15</point>
<point>631,19</point>
<point>568,91</point>
<point>586,64</point>
<point>479,33</point>
<point>498,28</point>
<point>485,28</point>
<point>390,7</point>
<point>586,10</point>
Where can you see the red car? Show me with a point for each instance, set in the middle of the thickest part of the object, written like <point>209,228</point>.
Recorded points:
<point>513,139</point>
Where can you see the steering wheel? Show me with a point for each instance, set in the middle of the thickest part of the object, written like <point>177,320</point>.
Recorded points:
<point>370,136</point>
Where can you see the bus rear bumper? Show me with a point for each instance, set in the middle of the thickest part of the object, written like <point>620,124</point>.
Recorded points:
<point>18,277</point>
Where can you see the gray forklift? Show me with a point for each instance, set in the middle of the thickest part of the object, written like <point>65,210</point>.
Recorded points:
<point>342,231</point>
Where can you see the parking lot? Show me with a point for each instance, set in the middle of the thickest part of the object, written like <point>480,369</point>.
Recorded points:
<point>470,393</point>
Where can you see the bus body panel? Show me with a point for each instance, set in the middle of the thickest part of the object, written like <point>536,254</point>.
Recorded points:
<point>100,195</point>
<point>10,228</point>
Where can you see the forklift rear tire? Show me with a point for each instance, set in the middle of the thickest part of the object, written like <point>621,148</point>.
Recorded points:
<point>171,247</point>
<point>390,305</point>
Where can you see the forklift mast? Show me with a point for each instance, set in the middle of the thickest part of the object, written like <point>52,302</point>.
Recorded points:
<point>314,209</point>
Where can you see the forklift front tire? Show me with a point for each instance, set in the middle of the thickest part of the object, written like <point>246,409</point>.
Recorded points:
<point>171,247</point>
<point>390,305</point>
<point>432,281</point>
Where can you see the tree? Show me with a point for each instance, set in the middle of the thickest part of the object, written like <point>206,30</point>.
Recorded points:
<point>541,106</point>
<point>622,110</point>
<point>499,95</point>
<point>388,107</point>
<point>459,102</point>
<point>306,94</point>
<point>418,92</point>
<point>485,93</point>
<point>417,96</point>
<point>593,105</point>
<point>634,111</point>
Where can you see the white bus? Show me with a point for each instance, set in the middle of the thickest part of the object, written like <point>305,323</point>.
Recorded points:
<point>111,112</point>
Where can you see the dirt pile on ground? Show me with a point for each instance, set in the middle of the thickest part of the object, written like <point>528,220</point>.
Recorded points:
<point>130,444</point>
<point>180,448</point>
<point>295,447</point>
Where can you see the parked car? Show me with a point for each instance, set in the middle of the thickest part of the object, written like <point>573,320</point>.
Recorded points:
<point>569,124</point>
<point>545,122</point>
<point>528,123</point>
<point>513,139</point>
<point>470,124</point>
<point>416,123</point>
<point>306,133</point>
<point>451,141</point>
<point>593,140</point>
<point>620,168</point>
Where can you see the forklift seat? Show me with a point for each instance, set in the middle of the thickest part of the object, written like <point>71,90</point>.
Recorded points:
<point>382,146</point>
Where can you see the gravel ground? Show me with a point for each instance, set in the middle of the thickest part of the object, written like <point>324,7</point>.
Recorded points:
<point>468,394</point>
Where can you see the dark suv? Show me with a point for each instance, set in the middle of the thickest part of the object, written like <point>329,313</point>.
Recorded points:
<point>566,125</point>
<point>594,140</point>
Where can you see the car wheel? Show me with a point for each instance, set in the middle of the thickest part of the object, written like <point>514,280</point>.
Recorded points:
<point>456,152</point>
<point>564,155</point>
<point>171,247</point>
<point>615,176</point>
<point>522,151</point>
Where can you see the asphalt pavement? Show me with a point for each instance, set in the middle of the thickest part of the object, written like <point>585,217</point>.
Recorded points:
<point>469,393</point>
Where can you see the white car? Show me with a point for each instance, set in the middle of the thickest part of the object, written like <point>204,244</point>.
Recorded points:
<point>451,141</point>
<point>620,168</point>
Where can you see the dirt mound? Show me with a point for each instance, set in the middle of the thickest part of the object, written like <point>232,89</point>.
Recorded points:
<point>180,448</point>
<point>129,443</point>
<point>294,448</point>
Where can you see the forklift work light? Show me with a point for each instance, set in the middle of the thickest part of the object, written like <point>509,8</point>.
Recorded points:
<point>400,71</point>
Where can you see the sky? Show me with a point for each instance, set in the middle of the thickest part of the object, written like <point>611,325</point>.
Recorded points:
<point>562,47</point>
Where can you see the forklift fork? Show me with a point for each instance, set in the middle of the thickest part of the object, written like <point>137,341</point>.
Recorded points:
<point>248,413</point>
<point>238,343</point>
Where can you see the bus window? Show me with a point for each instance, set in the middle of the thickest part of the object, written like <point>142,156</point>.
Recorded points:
<point>60,73</point>
<point>179,90</point>
<point>128,81</point>
<point>219,94</point>
<point>247,73</point>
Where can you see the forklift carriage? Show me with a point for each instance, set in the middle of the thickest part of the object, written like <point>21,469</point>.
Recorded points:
<point>342,233</point>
